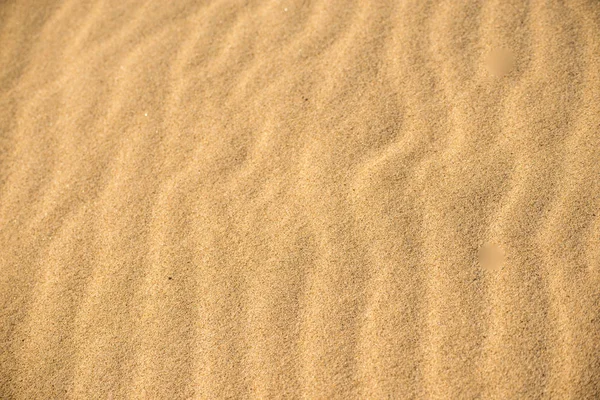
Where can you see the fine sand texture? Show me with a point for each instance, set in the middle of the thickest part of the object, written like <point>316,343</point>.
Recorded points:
<point>299,199</point>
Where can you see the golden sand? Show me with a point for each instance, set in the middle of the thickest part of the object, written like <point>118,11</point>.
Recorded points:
<point>299,199</point>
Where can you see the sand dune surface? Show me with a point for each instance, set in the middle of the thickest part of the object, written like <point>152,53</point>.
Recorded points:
<point>316,199</point>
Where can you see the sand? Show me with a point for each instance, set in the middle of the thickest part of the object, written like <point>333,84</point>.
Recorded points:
<point>299,199</point>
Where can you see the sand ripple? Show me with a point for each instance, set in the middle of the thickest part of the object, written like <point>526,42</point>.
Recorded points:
<point>299,199</point>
